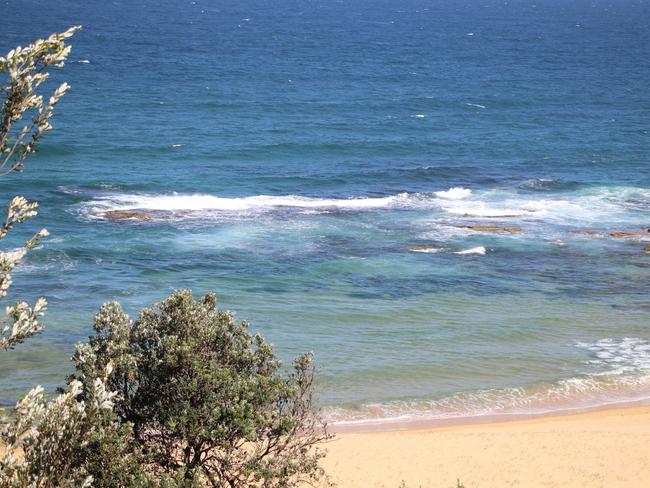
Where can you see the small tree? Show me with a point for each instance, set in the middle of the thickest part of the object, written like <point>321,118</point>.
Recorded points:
<point>208,401</point>
<point>26,70</point>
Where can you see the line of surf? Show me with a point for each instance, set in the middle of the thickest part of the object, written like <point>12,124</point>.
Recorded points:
<point>619,206</point>
<point>620,373</point>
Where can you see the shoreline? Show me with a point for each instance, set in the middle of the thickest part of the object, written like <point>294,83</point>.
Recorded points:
<point>604,447</point>
<point>396,424</point>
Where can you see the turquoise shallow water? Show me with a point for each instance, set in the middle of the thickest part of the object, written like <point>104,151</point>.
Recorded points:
<point>314,163</point>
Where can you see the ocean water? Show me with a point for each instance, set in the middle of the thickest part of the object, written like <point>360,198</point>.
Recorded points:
<point>314,163</point>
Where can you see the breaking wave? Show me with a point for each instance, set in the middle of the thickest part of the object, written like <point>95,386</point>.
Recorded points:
<point>205,205</point>
<point>210,202</point>
<point>474,250</point>
<point>456,193</point>
<point>613,206</point>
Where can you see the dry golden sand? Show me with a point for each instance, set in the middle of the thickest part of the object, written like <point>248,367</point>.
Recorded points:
<point>607,448</point>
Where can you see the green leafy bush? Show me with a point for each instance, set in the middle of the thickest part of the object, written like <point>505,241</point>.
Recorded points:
<point>208,401</point>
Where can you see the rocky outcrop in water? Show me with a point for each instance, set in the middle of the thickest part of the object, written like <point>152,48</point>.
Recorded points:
<point>126,215</point>
<point>502,216</point>
<point>629,233</point>
<point>491,228</point>
<point>616,234</point>
<point>589,233</point>
<point>420,248</point>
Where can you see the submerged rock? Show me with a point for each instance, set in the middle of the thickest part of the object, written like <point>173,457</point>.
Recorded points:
<point>630,233</point>
<point>126,215</point>
<point>491,228</point>
<point>502,216</point>
<point>590,233</point>
<point>420,248</point>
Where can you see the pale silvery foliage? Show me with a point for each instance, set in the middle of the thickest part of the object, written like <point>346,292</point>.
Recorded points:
<point>20,320</point>
<point>25,70</point>
<point>75,439</point>
<point>45,440</point>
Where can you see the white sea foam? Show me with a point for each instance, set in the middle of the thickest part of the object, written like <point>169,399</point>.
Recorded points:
<point>429,250</point>
<point>616,208</point>
<point>565,395</point>
<point>202,203</point>
<point>455,193</point>
<point>619,356</point>
<point>607,205</point>
<point>473,250</point>
<point>477,105</point>
<point>437,250</point>
<point>483,209</point>
<point>579,208</point>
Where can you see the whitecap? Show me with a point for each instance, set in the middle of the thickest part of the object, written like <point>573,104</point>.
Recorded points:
<point>428,250</point>
<point>454,193</point>
<point>606,207</point>
<point>477,105</point>
<point>202,205</point>
<point>474,250</point>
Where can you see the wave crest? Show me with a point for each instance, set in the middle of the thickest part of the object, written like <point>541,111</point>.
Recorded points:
<point>455,193</point>
<point>615,207</point>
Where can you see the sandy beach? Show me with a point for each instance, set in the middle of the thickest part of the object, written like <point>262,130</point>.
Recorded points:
<point>607,448</point>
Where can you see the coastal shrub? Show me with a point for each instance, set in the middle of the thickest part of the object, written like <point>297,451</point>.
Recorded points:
<point>69,442</point>
<point>22,72</point>
<point>209,402</point>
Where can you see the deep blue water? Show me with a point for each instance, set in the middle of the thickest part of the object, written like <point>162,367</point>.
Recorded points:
<point>291,155</point>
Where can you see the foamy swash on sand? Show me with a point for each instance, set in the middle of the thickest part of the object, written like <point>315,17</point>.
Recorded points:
<point>621,373</point>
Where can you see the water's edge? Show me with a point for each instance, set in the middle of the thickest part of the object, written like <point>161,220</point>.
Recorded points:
<point>397,425</point>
